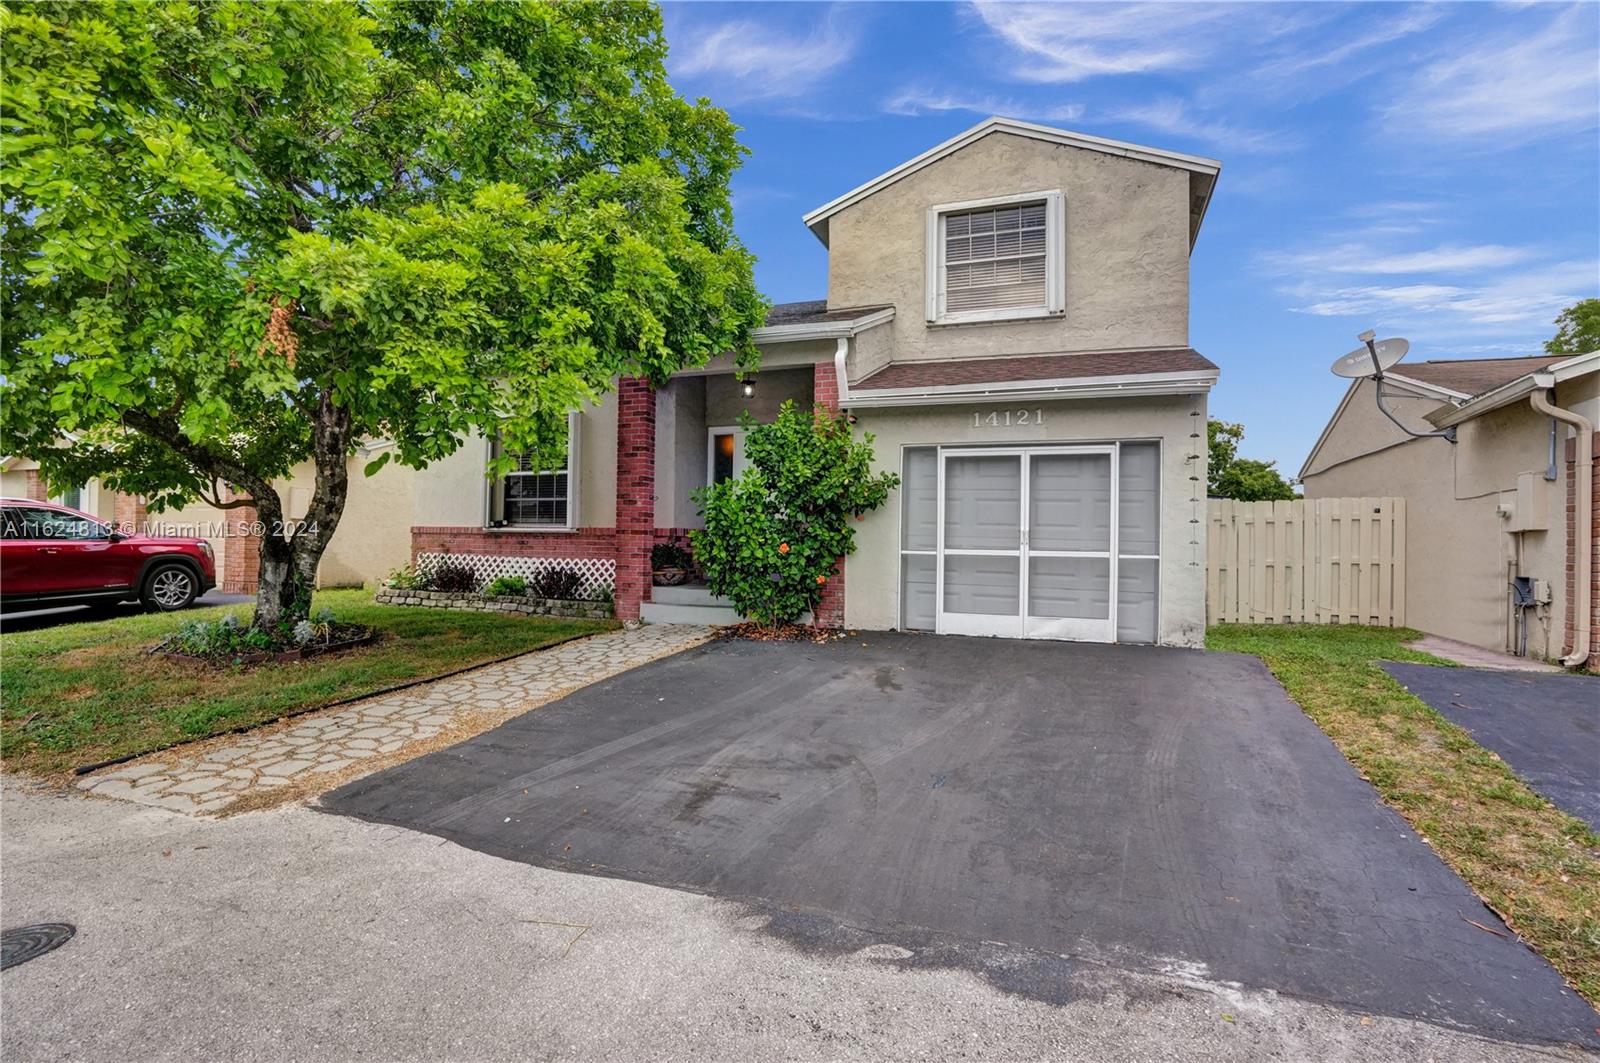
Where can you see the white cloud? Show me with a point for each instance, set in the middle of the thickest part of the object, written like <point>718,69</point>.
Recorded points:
<point>1072,42</point>
<point>1174,116</point>
<point>1412,20</point>
<point>914,101</point>
<point>1364,258</point>
<point>750,60</point>
<point>1508,86</point>
<point>1512,300</point>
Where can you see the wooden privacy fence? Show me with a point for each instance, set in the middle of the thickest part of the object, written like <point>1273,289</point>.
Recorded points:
<point>1312,561</point>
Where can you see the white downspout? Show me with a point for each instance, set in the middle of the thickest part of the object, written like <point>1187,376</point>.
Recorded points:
<point>1582,525</point>
<point>840,374</point>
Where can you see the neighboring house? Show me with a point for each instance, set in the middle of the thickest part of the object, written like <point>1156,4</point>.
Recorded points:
<point>1495,506</point>
<point>373,537</point>
<point>1008,314</point>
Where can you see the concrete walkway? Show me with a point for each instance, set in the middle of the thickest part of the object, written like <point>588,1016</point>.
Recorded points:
<point>303,756</point>
<point>1470,656</point>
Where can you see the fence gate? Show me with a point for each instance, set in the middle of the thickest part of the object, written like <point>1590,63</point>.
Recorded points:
<point>1312,561</point>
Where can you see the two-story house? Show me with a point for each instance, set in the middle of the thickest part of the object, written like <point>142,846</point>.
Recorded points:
<point>1008,314</point>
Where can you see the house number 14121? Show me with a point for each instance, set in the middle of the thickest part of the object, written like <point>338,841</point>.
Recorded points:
<point>1006,418</point>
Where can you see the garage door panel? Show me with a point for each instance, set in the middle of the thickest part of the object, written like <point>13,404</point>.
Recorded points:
<point>919,577</point>
<point>1069,502</point>
<point>989,586</point>
<point>1139,498</point>
<point>1136,599</point>
<point>1076,588</point>
<point>983,503</point>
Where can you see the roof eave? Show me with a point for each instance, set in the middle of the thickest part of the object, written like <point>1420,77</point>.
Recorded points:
<point>768,335</point>
<point>1131,385</point>
<point>1506,394</point>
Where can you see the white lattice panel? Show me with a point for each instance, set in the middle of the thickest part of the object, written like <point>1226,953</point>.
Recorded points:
<point>599,574</point>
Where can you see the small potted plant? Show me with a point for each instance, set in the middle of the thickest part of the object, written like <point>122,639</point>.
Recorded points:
<point>670,565</point>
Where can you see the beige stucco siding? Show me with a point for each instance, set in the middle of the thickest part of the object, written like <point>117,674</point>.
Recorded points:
<point>1460,551</point>
<point>872,573</point>
<point>1126,253</point>
<point>453,492</point>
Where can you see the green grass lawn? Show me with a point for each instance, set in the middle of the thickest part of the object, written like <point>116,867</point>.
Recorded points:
<point>1535,865</point>
<point>87,692</point>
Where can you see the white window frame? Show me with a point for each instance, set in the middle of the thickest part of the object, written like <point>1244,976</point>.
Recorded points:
<point>1055,243</point>
<point>572,470</point>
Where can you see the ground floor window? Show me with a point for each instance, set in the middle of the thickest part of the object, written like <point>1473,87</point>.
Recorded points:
<point>1048,541</point>
<point>533,497</point>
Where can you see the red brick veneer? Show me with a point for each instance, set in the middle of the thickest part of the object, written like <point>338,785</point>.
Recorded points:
<point>830,609</point>
<point>636,493</point>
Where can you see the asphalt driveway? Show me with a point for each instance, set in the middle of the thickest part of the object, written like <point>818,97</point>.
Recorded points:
<point>1545,726</point>
<point>1144,808</point>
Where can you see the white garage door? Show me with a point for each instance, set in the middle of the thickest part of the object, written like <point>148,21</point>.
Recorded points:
<point>1033,542</point>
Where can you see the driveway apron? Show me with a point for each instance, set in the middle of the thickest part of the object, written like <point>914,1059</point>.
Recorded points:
<point>1147,808</point>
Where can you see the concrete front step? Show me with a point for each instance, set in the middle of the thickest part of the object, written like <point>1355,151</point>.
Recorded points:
<point>691,603</point>
<point>685,594</point>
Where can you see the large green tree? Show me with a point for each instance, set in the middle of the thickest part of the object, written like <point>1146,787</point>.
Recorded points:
<point>1242,479</point>
<point>240,236</point>
<point>1577,329</point>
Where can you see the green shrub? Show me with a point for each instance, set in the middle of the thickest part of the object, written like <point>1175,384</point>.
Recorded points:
<point>773,535</point>
<point>670,555</point>
<point>452,577</point>
<point>405,578</point>
<point>562,582</point>
<point>507,585</point>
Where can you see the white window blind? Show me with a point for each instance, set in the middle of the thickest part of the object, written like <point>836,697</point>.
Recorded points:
<point>528,496</point>
<point>995,258</point>
<point>535,496</point>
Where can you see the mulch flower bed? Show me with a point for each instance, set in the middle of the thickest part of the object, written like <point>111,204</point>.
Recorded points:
<point>786,632</point>
<point>341,637</point>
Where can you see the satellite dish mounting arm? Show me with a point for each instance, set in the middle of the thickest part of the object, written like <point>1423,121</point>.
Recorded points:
<point>1369,337</point>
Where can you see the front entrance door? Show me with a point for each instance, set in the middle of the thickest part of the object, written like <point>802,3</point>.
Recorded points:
<point>1027,543</point>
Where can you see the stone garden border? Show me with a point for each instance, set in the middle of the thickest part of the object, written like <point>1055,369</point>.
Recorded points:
<point>520,605</point>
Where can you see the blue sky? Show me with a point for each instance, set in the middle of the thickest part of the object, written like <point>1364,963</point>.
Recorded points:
<point>1430,171</point>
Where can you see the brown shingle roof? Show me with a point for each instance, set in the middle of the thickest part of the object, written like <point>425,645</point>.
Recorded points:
<point>1474,376</point>
<point>814,312</point>
<point>1035,367</point>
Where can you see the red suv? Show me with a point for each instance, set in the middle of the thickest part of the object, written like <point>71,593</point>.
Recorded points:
<point>53,555</point>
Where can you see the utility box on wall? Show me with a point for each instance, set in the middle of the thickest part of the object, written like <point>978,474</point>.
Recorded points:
<point>1530,510</point>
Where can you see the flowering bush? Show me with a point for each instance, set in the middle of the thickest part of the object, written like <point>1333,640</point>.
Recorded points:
<point>773,535</point>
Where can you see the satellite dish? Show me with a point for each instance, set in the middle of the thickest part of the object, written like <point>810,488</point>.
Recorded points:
<point>1372,359</point>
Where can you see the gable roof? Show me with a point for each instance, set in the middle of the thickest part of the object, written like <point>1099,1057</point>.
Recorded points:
<point>1202,172</point>
<point>1473,376</point>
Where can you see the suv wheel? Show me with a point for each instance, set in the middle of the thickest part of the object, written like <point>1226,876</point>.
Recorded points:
<point>170,587</point>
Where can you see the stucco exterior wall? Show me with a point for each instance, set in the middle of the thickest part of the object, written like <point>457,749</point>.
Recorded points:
<point>1127,250</point>
<point>872,573</point>
<point>454,492</point>
<point>1460,554</point>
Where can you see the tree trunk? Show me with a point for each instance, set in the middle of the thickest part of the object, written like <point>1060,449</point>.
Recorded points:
<point>287,573</point>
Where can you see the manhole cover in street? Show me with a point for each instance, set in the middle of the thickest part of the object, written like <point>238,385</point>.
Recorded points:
<point>23,943</point>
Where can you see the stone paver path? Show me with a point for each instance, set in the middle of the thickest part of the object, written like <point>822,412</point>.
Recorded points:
<point>207,777</point>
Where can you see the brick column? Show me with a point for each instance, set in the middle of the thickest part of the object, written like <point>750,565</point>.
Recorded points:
<point>241,549</point>
<point>830,609</point>
<point>129,512</point>
<point>34,486</point>
<point>636,493</point>
<point>1593,516</point>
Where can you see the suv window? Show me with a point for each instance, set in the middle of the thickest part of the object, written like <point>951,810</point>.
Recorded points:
<point>54,524</point>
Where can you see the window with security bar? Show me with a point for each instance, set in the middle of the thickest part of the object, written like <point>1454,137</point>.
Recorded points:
<point>996,260</point>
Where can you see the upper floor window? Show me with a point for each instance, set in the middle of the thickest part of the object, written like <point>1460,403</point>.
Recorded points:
<point>531,497</point>
<point>996,259</point>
